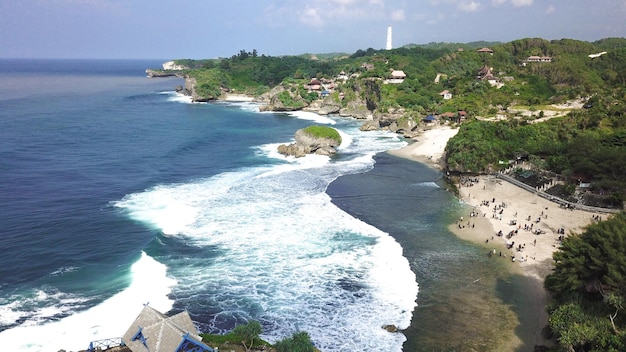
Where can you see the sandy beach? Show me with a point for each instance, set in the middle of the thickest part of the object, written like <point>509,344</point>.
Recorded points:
<point>429,146</point>
<point>511,223</point>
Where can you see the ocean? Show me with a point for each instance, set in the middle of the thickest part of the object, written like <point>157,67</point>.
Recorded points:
<point>117,192</point>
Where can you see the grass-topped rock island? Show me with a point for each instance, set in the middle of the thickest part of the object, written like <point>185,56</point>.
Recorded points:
<point>320,140</point>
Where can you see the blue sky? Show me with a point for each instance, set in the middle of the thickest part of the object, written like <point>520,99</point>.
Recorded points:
<point>198,29</point>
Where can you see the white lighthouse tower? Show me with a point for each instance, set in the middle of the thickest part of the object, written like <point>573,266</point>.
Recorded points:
<point>388,46</point>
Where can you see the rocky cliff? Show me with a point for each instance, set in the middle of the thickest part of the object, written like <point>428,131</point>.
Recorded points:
<point>189,89</point>
<point>160,73</point>
<point>171,65</point>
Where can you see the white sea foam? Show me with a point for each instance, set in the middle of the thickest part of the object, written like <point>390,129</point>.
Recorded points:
<point>23,308</point>
<point>245,105</point>
<point>346,140</point>
<point>307,115</point>
<point>10,313</point>
<point>284,254</point>
<point>109,319</point>
<point>63,270</point>
<point>178,97</point>
<point>270,150</point>
<point>163,211</point>
<point>429,184</point>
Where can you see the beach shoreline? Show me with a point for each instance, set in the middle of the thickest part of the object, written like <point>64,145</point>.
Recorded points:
<point>428,147</point>
<point>236,98</point>
<point>512,224</point>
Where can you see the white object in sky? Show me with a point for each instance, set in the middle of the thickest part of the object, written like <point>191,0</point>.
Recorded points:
<point>388,46</point>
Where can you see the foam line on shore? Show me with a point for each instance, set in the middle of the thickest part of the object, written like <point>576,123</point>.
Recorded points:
<point>150,284</point>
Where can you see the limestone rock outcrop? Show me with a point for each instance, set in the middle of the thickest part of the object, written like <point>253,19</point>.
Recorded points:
<point>328,106</point>
<point>160,73</point>
<point>276,100</point>
<point>190,89</point>
<point>171,65</point>
<point>308,144</point>
<point>357,109</point>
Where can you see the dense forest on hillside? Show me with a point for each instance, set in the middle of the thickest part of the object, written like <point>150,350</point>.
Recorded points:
<point>587,145</point>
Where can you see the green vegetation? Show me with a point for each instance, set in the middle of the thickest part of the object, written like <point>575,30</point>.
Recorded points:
<point>588,145</point>
<point>246,335</point>
<point>298,342</point>
<point>569,75</point>
<point>209,82</point>
<point>287,100</point>
<point>252,73</point>
<point>588,287</point>
<point>246,338</point>
<point>324,132</point>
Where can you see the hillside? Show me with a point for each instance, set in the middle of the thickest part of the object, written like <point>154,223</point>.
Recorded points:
<point>514,101</point>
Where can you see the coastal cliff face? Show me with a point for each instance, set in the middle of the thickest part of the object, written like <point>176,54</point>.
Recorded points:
<point>189,89</point>
<point>171,65</point>
<point>308,144</point>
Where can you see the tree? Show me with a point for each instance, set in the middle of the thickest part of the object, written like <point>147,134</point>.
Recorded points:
<point>588,286</point>
<point>248,333</point>
<point>595,259</point>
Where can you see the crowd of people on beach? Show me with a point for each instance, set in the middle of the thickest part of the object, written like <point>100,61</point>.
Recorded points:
<point>497,209</point>
<point>543,232</point>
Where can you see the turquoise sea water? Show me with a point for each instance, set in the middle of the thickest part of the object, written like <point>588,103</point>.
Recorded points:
<point>116,192</point>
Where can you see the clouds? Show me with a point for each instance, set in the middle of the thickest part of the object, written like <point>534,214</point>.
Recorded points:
<point>398,15</point>
<point>320,13</point>
<point>520,3</point>
<point>311,16</point>
<point>479,5</point>
<point>515,3</point>
<point>469,6</point>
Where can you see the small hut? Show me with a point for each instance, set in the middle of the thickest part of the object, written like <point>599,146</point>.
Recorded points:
<point>153,331</point>
<point>429,119</point>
